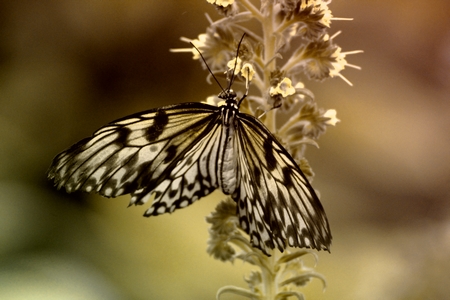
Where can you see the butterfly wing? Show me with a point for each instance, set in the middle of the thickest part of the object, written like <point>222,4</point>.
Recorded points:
<point>276,204</point>
<point>168,151</point>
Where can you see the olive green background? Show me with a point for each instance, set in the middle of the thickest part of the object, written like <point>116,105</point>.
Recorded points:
<point>67,67</point>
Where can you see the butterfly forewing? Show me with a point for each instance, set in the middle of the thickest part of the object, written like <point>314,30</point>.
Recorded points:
<point>136,153</point>
<point>193,176</point>
<point>276,204</point>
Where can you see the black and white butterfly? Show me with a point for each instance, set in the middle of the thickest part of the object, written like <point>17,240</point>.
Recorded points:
<point>183,152</point>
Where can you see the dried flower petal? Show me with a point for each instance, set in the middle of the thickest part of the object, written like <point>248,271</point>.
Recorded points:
<point>224,220</point>
<point>331,114</point>
<point>234,65</point>
<point>217,46</point>
<point>284,88</point>
<point>223,3</point>
<point>248,71</point>
<point>219,248</point>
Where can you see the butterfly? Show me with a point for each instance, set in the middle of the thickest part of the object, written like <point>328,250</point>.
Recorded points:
<point>183,152</point>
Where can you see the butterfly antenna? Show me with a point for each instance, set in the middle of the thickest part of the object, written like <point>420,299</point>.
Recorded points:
<point>209,69</point>
<point>247,86</point>
<point>266,111</point>
<point>235,63</point>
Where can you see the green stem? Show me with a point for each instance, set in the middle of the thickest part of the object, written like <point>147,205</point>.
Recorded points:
<point>251,8</point>
<point>268,279</point>
<point>270,64</point>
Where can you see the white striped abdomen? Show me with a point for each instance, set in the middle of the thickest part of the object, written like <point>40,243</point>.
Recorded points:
<point>227,165</point>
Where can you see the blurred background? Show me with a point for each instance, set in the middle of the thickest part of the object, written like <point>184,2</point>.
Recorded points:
<point>68,67</point>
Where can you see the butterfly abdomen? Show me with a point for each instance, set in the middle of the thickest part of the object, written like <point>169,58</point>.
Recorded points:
<point>227,171</point>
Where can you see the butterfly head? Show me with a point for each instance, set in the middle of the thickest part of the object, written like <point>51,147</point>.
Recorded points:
<point>228,96</point>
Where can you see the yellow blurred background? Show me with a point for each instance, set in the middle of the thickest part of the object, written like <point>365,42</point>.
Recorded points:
<point>67,67</point>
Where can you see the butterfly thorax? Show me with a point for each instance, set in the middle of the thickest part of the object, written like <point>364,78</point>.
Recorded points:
<point>227,162</point>
<point>229,106</point>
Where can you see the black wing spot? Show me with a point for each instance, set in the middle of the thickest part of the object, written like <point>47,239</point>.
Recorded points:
<point>159,123</point>
<point>250,218</point>
<point>171,153</point>
<point>292,232</point>
<point>268,155</point>
<point>244,225</point>
<point>306,237</point>
<point>157,208</point>
<point>190,186</point>
<point>91,182</point>
<point>189,160</point>
<point>241,204</point>
<point>157,195</point>
<point>257,174</point>
<point>287,177</point>
<point>260,226</point>
<point>270,244</point>
<point>76,148</point>
<point>173,193</point>
<point>122,136</point>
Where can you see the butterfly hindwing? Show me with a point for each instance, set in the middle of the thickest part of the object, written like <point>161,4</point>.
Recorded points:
<point>276,204</point>
<point>145,152</point>
<point>193,176</point>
